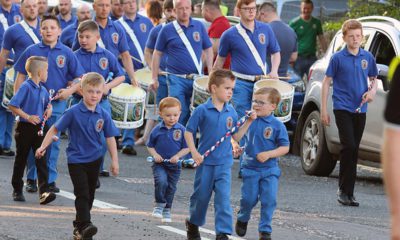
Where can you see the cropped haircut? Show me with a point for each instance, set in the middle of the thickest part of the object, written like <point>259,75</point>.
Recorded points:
<point>267,7</point>
<point>274,96</point>
<point>308,2</point>
<point>168,4</point>
<point>88,25</point>
<point>351,24</point>
<point>218,77</point>
<point>34,64</point>
<point>47,17</point>
<point>92,79</point>
<point>169,102</point>
<point>239,3</point>
<point>211,3</point>
<point>175,2</point>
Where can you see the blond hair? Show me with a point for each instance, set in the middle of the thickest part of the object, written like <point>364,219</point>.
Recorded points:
<point>34,64</point>
<point>92,79</point>
<point>351,24</point>
<point>274,96</point>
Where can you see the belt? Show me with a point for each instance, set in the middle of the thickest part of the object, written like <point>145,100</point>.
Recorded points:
<point>249,78</point>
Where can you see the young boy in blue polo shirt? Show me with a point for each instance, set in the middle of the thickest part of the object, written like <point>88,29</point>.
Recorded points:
<point>349,70</point>
<point>87,122</point>
<point>266,139</point>
<point>167,142</point>
<point>30,104</point>
<point>212,119</point>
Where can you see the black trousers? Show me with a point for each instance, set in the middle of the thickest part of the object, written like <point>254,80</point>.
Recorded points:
<point>351,128</point>
<point>84,178</point>
<point>27,138</point>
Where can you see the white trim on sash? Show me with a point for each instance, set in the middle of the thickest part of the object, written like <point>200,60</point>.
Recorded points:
<point>252,48</point>
<point>134,39</point>
<point>30,32</point>
<point>100,43</point>
<point>188,46</point>
<point>3,21</point>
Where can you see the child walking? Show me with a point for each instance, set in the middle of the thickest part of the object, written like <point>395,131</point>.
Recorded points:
<point>30,103</point>
<point>87,123</point>
<point>266,139</point>
<point>167,142</point>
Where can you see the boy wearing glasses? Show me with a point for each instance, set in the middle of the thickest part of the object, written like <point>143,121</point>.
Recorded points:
<point>266,139</point>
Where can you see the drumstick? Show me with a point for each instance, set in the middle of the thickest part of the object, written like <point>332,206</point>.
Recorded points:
<point>138,60</point>
<point>184,162</point>
<point>284,78</point>
<point>45,117</point>
<point>109,77</point>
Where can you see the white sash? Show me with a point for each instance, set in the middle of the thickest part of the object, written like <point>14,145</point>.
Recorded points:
<point>30,32</point>
<point>100,43</point>
<point>188,46</point>
<point>3,21</point>
<point>134,39</point>
<point>253,49</point>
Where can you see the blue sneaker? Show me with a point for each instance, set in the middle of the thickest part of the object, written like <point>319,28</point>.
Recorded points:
<point>166,215</point>
<point>158,212</point>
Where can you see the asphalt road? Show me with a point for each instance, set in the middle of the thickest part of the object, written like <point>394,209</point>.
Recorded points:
<point>307,206</point>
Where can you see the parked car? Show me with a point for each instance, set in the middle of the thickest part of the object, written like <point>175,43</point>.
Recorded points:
<point>319,145</point>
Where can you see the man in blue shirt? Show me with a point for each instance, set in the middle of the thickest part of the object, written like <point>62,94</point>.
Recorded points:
<point>11,11</point>
<point>116,10</point>
<point>68,34</point>
<point>65,16</point>
<point>181,64</point>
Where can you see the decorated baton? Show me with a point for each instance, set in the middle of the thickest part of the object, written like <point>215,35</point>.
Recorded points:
<point>45,117</point>
<point>358,110</point>
<point>185,162</point>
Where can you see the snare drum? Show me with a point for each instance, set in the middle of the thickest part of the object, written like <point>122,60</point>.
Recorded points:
<point>200,94</point>
<point>8,92</point>
<point>127,106</point>
<point>284,109</point>
<point>144,77</point>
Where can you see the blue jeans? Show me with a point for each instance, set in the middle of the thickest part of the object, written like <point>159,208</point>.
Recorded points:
<point>166,176</point>
<point>303,64</point>
<point>210,179</point>
<point>6,125</point>
<point>162,90</point>
<point>182,89</point>
<point>259,184</point>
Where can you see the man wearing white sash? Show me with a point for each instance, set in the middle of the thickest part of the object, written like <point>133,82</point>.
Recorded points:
<point>248,43</point>
<point>10,11</point>
<point>183,41</point>
<point>15,40</point>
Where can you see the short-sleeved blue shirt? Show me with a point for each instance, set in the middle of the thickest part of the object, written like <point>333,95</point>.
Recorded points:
<point>85,131</point>
<point>68,34</point>
<point>101,61</point>
<point>13,16</point>
<point>151,44</point>
<point>16,38</point>
<point>264,134</point>
<point>212,125</point>
<point>63,64</point>
<point>141,27</point>
<point>64,23</point>
<point>179,59</point>
<point>113,37</point>
<point>31,98</point>
<point>242,60</point>
<point>350,73</point>
<point>167,142</point>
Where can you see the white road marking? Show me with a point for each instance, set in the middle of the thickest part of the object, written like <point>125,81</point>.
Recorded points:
<point>183,233</point>
<point>96,203</point>
<point>205,230</point>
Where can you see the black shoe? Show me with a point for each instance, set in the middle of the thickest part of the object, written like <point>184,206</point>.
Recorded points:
<point>77,234</point>
<point>265,236</point>
<point>7,152</point>
<point>119,145</point>
<point>104,173</point>
<point>192,231</point>
<point>353,202</point>
<point>221,236</point>
<point>98,184</point>
<point>240,175</point>
<point>343,198</point>
<point>47,197</point>
<point>31,186</point>
<point>18,197</point>
<point>53,188</point>
<point>241,228</point>
<point>129,150</point>
<point>88,231</point>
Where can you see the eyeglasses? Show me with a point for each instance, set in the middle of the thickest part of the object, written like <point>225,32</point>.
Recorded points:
<point>260,103</point>
<point>249,9</point>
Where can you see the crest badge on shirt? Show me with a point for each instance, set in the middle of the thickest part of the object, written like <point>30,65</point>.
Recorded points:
<point>267,132</point>
<point>177,134</point>
<point>99,125</point>
<point>261,38</point>
<point>143,27</point>
<point>229,122</point>
<point>60,61</point>
<point>196,36</point>
<point>364,64</point>
<point>103,62</point>
<point>115,37</point>
<point>17,18</point>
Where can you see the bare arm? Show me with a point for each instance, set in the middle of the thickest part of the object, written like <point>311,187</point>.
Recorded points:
<point>219,62</point>
<point>195,154</point>
<point>280,151</point>
<point>322,42</point>
<point>48,139</point>
<point>157,157</point>
<point>155,69</point>
<point>179,155</point>
<point>128,65</point>
<point>215,45</point>
<point>112,148</point>
<point>112,84</point>
<point>326,83</point>
<point>243,129</point>
<point>34,119</point>
<point>3,58</point>
<point>275,61</point>
<point>209,56</point>
<point>148,55</point>
<point>18,81</point>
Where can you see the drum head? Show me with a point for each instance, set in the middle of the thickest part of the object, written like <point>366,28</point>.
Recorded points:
<point>282,87</point>
<point>143,76</point>
<point>125,90</point>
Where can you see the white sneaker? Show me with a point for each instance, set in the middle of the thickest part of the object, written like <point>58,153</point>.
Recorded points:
<point>157,212</point>
<point>166,215</point>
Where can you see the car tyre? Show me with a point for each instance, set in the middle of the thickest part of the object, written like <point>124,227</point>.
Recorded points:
<point>315,157</point>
